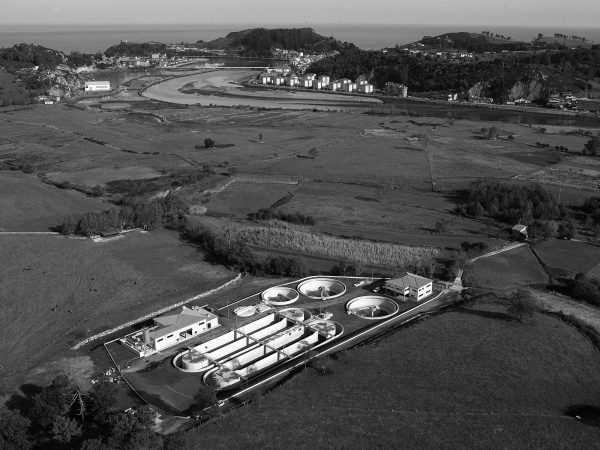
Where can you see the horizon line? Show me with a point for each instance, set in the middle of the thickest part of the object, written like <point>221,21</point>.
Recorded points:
<point>279,24</point>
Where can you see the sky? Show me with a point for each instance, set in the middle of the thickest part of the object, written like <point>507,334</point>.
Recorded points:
<point>571,13</point>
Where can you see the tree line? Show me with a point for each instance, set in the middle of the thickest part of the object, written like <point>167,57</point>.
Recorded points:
<point>272,213</point>
<point>169,211</point>
<point>233,252</point>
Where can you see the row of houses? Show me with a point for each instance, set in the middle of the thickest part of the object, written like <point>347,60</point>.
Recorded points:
<point>312,81</point>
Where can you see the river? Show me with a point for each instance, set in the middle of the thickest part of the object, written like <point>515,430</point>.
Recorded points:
<point>220,88</point>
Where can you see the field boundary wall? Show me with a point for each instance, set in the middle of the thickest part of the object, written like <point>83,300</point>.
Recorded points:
<point>155,313</point>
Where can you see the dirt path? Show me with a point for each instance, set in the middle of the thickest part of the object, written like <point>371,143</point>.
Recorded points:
<point>560,303</point>
<point>496,252</point>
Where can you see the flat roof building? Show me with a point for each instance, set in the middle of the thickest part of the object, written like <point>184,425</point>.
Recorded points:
<point>170,330</point>
<point>409,285</point>
<point>97,86</point>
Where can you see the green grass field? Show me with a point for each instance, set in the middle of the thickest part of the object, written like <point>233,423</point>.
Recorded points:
<point>506,270</point>
<point>57,291</point>
<point>464,379</point>
<point>239,198</point>
<point>28,204</point>
<point>572,256</point>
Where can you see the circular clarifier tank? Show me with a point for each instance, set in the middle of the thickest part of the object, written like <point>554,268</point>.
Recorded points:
<point>327,327</point>
<point>372,307</point>
<point>191,361</point>
<point>280,295</point>
<point>322,288</point>
<point>297,314</point>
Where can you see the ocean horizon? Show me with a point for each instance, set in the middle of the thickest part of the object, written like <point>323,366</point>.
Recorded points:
<point>97,38</point>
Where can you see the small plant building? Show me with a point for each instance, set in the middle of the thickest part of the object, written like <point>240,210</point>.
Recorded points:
<point>410,285</point>
<point>170,330</point>
<point>519,231</point>
<point>97,86</point>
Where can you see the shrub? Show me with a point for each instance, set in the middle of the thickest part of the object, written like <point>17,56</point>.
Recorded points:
<point>586,289</point>
<point>271,213</point>
<point>521,304</point>
<point>209,143</point>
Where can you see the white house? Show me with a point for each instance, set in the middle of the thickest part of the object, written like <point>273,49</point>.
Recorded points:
<point>366,88</point>
<point>97,86</point>
<point>316,84</point>
<point>349,87</point>
<point>335,85</point>
<point>324,79</point>
<point>306,82</point>
<point>410,285</point>
<point>265,79</point>
<point>277,81</point>
<point>170,330</point>
<point>292,80</point>
<point>519,231</point>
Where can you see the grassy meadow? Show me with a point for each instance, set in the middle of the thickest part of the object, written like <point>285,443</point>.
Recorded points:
<point>56,291</point>
<point>28,204</point>
<point>506,270</point>
<point>463,379</point>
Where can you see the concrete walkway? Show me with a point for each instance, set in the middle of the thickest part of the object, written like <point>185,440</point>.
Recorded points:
<point>498,251</point>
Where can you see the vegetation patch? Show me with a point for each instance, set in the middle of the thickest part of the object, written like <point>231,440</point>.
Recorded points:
<point>343,249</point>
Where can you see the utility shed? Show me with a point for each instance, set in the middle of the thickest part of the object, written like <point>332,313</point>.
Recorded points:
<point>519,231</point>
<point>409,285</point>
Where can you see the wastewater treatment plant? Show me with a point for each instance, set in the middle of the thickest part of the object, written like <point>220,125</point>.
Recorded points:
<point>256,342</point>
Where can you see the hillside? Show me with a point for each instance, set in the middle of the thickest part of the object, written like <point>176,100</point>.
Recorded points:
<point>509,76</point>
<point>561,40</point>
<point>29,55</point>
<point>473,42</point>
<point>261,41</point>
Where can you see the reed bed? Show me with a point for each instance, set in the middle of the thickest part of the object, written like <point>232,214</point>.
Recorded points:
<point>366,252</point>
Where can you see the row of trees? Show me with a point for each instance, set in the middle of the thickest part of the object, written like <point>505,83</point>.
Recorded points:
<point>272,213</point>
<point>231,251</point>
<point>169,211</point>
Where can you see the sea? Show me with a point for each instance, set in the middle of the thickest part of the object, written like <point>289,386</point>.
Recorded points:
<point>97,38</point>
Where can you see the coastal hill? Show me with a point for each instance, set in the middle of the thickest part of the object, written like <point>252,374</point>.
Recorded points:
<point>563,40</point>
<point>261,41</point>
<point>487,41</point>
<point>472,42</point>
